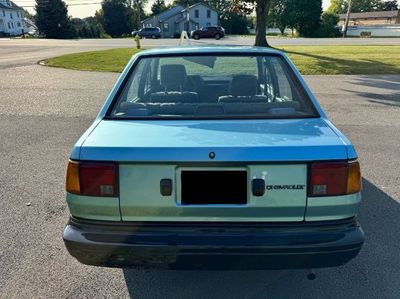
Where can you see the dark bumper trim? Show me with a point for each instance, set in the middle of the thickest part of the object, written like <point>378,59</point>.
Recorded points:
<point>241,246</point>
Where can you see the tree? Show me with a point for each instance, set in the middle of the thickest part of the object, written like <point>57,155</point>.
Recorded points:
<point>261,7</point>
<point>138,10</point>
<point>283,14</point>
<point>234,23</point>
<point>307,16</point>
<point>340,6</point>
<point>185,3</point>
<point>390,5</point>
<point>117,17</point>
<point>328,26</point>
<point>87,27</point>
<point>158,6</point>
<point>52,19</point>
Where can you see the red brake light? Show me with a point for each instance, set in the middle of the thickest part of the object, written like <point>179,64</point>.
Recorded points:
<point>95,179</point>
<point>336,178</point>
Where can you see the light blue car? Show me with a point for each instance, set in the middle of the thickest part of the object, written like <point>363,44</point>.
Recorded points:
<point>213,158</point>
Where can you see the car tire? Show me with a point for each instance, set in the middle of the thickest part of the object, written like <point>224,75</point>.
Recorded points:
<point>217,36</point>
<point>196,36</point>
<point>153,36</point>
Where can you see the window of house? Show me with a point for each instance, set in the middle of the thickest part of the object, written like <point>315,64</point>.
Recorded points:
<point>18,24</point>
<point>196,13</point>
<point>9,26</point>
<point>208,13</point>
<point>166,27</point>
<point>12,25</point>
<point>4,13</point>
<point>11,15</point>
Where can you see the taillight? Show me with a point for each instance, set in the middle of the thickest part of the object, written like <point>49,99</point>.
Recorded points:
<point>334,178</point>
<point>92,179</point>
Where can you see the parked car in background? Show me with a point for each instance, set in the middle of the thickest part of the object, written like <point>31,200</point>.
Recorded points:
<point>216,32</point>
<point>215,158</point>
<point>148,32</point>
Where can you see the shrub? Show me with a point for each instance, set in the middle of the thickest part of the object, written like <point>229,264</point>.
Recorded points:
<point>328,26</point>
<point>365,34</point>
<point>105,35</point>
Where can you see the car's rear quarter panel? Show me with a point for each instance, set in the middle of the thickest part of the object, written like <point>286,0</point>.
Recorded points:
<point>93,207</point>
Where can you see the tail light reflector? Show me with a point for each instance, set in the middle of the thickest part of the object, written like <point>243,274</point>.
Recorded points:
<point>72,184</point>
<point>92,179</point>
<point>353,178</point>
<point>337,178</point>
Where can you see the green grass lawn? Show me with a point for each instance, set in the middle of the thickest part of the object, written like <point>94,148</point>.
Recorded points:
<point>310,60</point>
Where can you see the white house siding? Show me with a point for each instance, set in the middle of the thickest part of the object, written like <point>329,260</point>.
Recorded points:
<point>380,31</point>
<point>174,20</point>
<point>203,20</point>
<point>11,18</point>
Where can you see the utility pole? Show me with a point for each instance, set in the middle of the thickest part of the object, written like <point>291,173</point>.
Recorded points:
<point>346,24</point>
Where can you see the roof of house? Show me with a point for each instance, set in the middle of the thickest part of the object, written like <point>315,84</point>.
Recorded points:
<point>200,3</point>
<point>13,6</point>
<point>372,14</point>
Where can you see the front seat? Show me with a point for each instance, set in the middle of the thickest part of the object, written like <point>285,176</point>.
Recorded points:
<point>173,81</point>
<point>243,88</point>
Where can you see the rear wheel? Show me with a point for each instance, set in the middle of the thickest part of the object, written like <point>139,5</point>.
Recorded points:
<point>196,36</point>
<point>217,36</point>
<point>153,36</point>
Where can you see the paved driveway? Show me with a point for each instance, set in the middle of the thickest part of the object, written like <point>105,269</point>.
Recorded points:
<point>44,110</point>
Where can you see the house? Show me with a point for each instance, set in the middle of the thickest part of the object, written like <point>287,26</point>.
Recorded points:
<point>11,18</point>
<point>178,18</point>
<point>376,23</point>
<point>373,18</point>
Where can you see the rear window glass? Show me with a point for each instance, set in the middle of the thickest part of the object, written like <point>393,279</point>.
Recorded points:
<point>212,87</point>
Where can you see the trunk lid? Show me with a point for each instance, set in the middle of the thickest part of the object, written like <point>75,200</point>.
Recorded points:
<point>276,151</point>
<point>233,140</point>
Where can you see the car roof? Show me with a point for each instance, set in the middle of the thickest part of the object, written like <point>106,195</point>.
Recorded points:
<point>214,50</point>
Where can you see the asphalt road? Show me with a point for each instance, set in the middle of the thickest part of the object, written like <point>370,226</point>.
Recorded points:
<point>44,110</point>
<point>19,52</point>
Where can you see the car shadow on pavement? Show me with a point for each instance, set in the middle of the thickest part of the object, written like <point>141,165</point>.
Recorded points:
<point>373,274</point>
<point>385,82</point>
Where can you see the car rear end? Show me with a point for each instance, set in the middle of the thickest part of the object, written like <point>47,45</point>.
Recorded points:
<point>212,192</point>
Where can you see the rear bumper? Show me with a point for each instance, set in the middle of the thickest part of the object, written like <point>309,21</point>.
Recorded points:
<point>214,246</point>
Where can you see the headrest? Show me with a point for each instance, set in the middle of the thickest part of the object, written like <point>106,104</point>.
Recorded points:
<point>244,85</point>
<point>173,77</point>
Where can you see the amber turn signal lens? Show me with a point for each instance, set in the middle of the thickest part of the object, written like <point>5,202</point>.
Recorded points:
<point>72,183</point>
<point>353,178</point>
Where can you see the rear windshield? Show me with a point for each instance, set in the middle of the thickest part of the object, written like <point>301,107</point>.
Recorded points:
<point>212,86</point>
